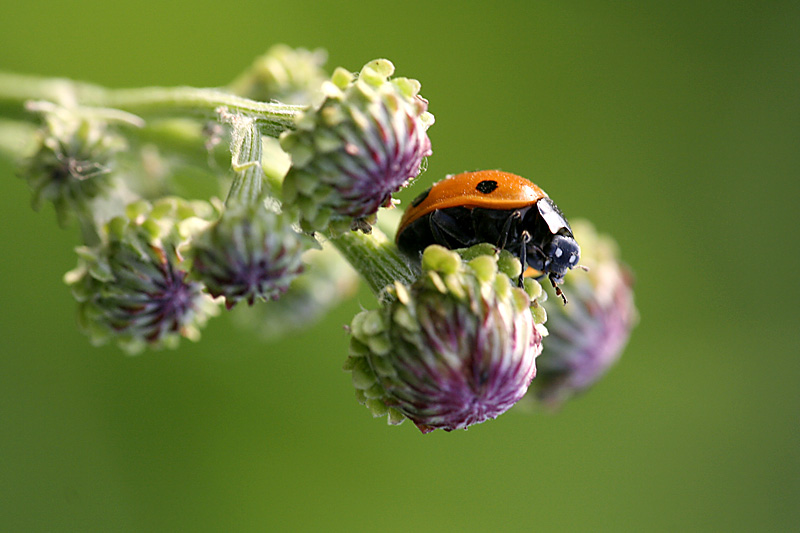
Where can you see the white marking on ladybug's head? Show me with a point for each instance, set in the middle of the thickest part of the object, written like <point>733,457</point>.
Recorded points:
<point>563,253</point>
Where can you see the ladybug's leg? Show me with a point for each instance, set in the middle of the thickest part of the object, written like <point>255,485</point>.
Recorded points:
<point>559,292</point>
<point>523,255</point>
<point>515,216</point>
<point>446,230</point>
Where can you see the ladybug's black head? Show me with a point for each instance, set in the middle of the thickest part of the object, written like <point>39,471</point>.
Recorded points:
<point>551,248</point>
<point>561,254</point>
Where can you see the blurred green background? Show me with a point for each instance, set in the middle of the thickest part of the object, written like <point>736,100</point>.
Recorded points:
<point>675,127</point>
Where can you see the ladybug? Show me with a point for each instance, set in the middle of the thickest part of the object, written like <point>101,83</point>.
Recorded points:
<point>497,207</point>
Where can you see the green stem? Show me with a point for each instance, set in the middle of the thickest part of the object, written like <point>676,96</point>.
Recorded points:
<point>247,185</point>
<point>183,137</point>
<point>272,118</point>
<point>376,258</point>
<point>16,138</point>
<point>16,89</point>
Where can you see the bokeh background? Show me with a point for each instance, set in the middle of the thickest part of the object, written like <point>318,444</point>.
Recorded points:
<point>675,127</point>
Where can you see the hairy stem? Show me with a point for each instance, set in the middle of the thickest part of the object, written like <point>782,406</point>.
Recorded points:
<point>16,89</point>
<point>376,258</point>
<point>247,185</point>
<point>16,138</point>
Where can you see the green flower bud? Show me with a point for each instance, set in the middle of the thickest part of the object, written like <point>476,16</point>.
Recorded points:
<point>288,75</point>
<point>453,349</point>
<point>587,336</point>
<point>72,163</point>
<point>133,287</point>
<point>250,253</point>
<point>349,155</point>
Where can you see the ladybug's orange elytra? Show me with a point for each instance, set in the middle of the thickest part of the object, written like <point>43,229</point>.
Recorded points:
<point>465,190</point>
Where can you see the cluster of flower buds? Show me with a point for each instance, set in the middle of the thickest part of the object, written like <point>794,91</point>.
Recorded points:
<point>458,335</point>
<point>341,145</point>
<point>455,348</point>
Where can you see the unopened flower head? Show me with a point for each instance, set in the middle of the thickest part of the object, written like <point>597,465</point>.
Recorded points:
<point>133,288</point>
<point>251,253</point>
<point>363,143</point>
<point>455,348</point>
<point>587,336</point>
<point>73,161</point>
<point>326,281</point>
<point>288,75</point>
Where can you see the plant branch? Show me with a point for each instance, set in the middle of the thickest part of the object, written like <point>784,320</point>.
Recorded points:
<point>376,258</point>
<point>16,89</point>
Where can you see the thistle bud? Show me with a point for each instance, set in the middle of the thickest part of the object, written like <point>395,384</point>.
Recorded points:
<point>72,163</point>
<point>133,286</point>
<point>455,348</point>
<point>363,143</point>
<point>251,253</point>
<point>587,336</point>
<point>326,281</point>
<point>288,75</point>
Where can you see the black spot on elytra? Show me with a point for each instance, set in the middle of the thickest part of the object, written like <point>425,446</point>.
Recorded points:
<point>486,186</point>
<point>421,198</point>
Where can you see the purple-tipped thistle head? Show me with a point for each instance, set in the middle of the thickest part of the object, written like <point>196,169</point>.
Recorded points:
<point>455,348</point>
<point>327,280</point>
<point>365,142</point>
<point>587,336</point>
<point>133,287</point>
<point>251,253</point>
